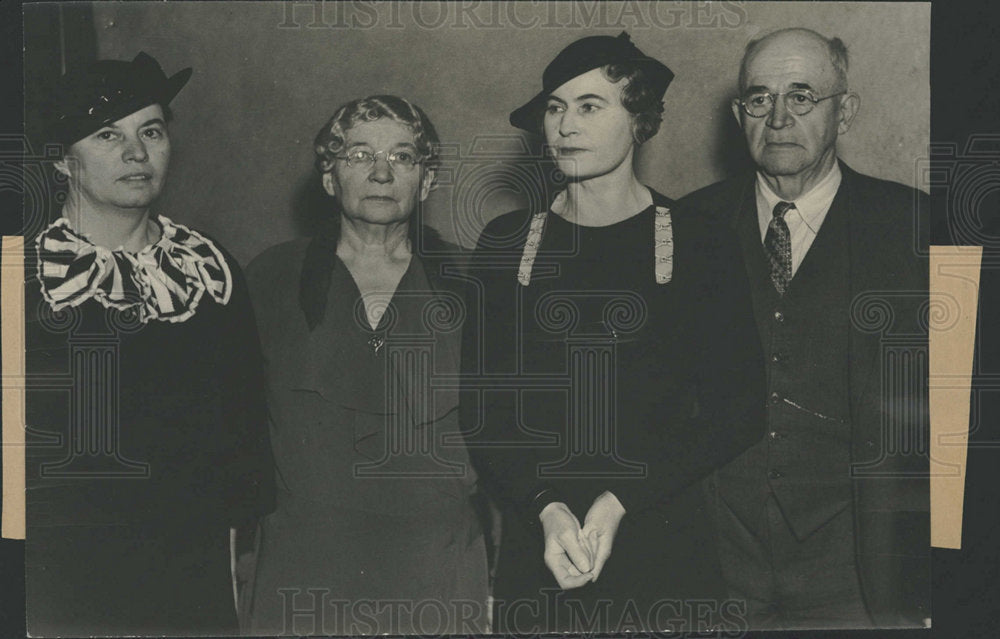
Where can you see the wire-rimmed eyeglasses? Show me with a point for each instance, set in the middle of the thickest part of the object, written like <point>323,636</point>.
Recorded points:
<point>798,102</point>
<point>399,160</point>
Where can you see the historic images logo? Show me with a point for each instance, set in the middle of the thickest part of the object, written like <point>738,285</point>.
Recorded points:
<point>438,14</point>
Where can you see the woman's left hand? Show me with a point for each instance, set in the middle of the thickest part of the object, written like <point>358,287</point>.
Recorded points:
<point>600,527</point>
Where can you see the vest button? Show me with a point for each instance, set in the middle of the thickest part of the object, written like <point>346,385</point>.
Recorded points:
<point>774,398</point>
<point>779,317</point>
<point>777,357</point>
<point>775,474</point>
<point>775,435</point>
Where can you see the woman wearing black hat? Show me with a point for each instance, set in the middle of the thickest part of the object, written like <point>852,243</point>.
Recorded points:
<point>630,331</point>
<point>147,433</point>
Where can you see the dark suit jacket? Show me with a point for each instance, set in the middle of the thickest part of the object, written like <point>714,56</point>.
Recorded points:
<point>888,398</point>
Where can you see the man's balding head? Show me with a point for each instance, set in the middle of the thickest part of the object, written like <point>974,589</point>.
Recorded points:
<point>834,48</point>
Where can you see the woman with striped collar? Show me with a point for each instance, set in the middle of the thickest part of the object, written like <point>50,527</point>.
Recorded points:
<point>148,434</point>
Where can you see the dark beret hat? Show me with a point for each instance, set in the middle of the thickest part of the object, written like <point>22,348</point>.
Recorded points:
<point>108,90</point>
<point>584,55</point>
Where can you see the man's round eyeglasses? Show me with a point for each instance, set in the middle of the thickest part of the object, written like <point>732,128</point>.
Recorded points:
<point>402,160</point>
<point>798,102</point>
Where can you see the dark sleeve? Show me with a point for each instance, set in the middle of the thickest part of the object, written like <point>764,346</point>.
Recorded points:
<point>500,450</point>
<point>250,489</point>
<point>726,368</point>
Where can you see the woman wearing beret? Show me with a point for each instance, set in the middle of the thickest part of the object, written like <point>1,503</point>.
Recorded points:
<point>375,530</point>
<point>625,335</point>
<point>147,433</point>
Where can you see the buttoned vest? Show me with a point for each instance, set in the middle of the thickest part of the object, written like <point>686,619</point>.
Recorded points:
<point>804,457</point>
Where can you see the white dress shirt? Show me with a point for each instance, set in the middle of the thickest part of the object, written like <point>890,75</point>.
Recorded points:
<point>805,219</point>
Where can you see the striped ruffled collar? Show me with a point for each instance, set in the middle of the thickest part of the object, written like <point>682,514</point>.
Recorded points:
<point>164,281</point>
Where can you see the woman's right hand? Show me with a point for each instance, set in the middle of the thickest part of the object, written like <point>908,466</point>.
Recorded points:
<point>567,555</point>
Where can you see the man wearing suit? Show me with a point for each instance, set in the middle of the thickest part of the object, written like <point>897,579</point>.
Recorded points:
<point>825,521</point>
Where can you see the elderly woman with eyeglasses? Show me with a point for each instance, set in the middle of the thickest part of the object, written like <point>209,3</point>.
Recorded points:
<point>375,530</point>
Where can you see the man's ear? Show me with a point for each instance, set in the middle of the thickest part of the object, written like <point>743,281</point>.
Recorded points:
<point>328,184</point>
<point>849,106</point>
<point>737,112</point>
<point>427,184</point>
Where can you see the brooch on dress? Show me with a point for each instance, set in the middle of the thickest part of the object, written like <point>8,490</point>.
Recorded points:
<point>376,342</point>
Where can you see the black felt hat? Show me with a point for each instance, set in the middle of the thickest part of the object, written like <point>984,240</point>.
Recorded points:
<point>584,55</point>
<point>107,91</point>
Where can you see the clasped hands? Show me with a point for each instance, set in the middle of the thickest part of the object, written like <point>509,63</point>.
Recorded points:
<point>577,555</point>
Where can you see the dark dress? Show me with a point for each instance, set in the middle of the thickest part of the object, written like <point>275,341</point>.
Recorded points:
<point>600,378</point>
<point>146,442</point>
<point>375,530</point>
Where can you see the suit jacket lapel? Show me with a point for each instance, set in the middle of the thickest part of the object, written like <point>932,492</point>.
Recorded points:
<point>748,231</point>
<point>868,274</point>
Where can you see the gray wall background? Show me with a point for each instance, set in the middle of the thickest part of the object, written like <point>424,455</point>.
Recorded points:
<point>268,75</point>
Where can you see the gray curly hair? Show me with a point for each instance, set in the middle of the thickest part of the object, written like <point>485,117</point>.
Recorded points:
<point>329,141</point>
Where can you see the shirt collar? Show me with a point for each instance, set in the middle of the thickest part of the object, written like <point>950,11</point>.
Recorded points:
<point>812,206</point>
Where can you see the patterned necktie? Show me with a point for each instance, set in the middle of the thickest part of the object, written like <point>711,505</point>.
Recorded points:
<point>778,247</point>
